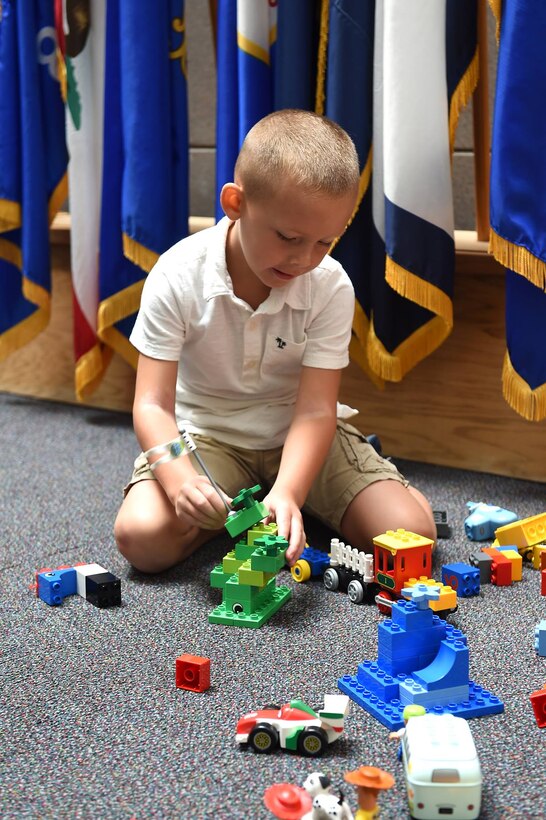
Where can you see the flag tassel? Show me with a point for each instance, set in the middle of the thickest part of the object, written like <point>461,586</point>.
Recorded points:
<point>518,259</point>
<point>528,403</point>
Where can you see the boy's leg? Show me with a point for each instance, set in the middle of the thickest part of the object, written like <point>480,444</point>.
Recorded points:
<point>361,495</point>
<point>147,530</point>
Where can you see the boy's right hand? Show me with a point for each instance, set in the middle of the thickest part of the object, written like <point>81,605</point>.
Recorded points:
<point>199,504</point>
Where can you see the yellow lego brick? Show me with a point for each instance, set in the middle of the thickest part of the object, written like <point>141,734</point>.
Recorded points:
<point>517,562</point>
<point>523,533</point>
<point>253,577</point>
<point>230,564</point>
<point>259,530</point>
<point>537,550</point>
<point>448,596</point>
<point>401,539</point>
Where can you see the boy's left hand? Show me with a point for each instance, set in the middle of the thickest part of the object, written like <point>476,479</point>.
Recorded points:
<point>285,512</point>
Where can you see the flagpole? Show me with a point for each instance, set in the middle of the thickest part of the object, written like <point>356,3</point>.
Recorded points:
<point>480,111</point>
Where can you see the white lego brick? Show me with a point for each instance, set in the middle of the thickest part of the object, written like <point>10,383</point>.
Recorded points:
<point>82,573</point>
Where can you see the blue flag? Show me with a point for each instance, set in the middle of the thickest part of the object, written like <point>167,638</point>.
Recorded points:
<point>246,33</point>
<point>395,76</point>
<point>145,156</point>
<point>518,201</point>
<point>267,59</point>
<point>33,161</point>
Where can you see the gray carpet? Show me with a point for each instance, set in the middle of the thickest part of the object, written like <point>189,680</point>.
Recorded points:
<point>92,724</point>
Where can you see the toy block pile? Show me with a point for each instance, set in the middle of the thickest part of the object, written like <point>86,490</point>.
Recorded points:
<point>91,581</point>
<point>247,574</point>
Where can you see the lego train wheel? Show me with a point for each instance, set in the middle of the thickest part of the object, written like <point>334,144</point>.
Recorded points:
<point>312,742</point>
<point>331,579</point>
<point>386,608</point>
<point>263,738</point>
<point>356,592</point>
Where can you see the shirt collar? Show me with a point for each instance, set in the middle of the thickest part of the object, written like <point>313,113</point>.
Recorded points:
<point>217,281</point>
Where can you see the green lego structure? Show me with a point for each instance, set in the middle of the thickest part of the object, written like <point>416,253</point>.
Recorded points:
<point>246,575</point>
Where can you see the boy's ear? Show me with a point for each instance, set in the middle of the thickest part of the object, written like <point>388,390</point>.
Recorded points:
<point>231,197</point>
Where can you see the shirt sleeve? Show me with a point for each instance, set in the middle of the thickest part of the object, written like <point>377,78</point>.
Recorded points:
<point>159,329</point>
<point>329,329</point>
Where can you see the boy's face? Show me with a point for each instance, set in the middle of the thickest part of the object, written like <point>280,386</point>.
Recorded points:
<point>287,235</point>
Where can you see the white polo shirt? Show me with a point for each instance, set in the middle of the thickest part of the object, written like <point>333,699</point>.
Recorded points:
<point>239,368</point>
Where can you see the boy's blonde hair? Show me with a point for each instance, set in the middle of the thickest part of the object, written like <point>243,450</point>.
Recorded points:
<point>300,147</point>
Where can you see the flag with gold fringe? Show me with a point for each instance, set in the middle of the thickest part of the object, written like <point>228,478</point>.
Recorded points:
<point>267,53</point>
<point>145,157</point>
<point>246,34</point>
<point>33,162</point>
<point>518,200</point>
<point>395,75</point>
<point>81,25</point>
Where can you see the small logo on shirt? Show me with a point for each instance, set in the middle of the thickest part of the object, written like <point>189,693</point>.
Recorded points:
<point>280,342</point>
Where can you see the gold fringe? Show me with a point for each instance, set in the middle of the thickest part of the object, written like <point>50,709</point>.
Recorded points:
<point>36,294</point>
<point>112,310</point>
<point>320,96</point>
<point>90,369</point>
<point>58,197</point>
<point>139,254</point>
<point>11,253</point>
<point>461,96</point>
<point>518,259</point>
<point>531,404</point>
<point>121,344</point>
<point>357,347</point>
<point>417,290</point>
<point>21,334</point>
<point>394,366</point>
<point>10,215</point>
<point>496,8</point>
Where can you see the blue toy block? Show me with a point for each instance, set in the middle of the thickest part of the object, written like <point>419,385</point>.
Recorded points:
<point>463,578</point>
<point>55,585</point>
<point>317,559</point>
<point>422,660</point>
<point>540,638</point>
<point>484,519</point>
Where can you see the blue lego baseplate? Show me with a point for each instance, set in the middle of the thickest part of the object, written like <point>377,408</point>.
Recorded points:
<point>479,703</point>
<point>421,660</point>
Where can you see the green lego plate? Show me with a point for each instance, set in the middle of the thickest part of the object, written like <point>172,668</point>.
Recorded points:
<point>221,615</point>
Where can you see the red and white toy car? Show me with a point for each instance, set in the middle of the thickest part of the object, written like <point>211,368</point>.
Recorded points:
<point>294,726</point>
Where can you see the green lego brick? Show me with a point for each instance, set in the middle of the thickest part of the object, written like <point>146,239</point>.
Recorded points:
<point>268,563</point>
<point>238,522</point>
<point>259,530</point>
<point>243,551</point>
<point>242,593</point>
<point>223,615</point>
<point>218,578</point>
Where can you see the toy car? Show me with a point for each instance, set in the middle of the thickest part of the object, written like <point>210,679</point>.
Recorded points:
<point>484,519</point>
<point>294,726</point>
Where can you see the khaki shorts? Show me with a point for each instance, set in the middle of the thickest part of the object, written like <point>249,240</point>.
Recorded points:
<point>351,465</point>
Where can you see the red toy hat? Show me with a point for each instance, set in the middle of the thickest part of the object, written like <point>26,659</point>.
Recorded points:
<point>370,777</point>
<point>287,802</point>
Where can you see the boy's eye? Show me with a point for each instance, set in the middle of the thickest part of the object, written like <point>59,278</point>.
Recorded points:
<point>285,238</point>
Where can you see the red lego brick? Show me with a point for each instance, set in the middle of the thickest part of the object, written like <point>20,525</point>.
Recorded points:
<point>538,702</point>
<point>543,581</point>
<point>193,673</point>
<point>501,568</point>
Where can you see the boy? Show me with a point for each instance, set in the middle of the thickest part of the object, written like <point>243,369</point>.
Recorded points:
<point>243,331</point>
